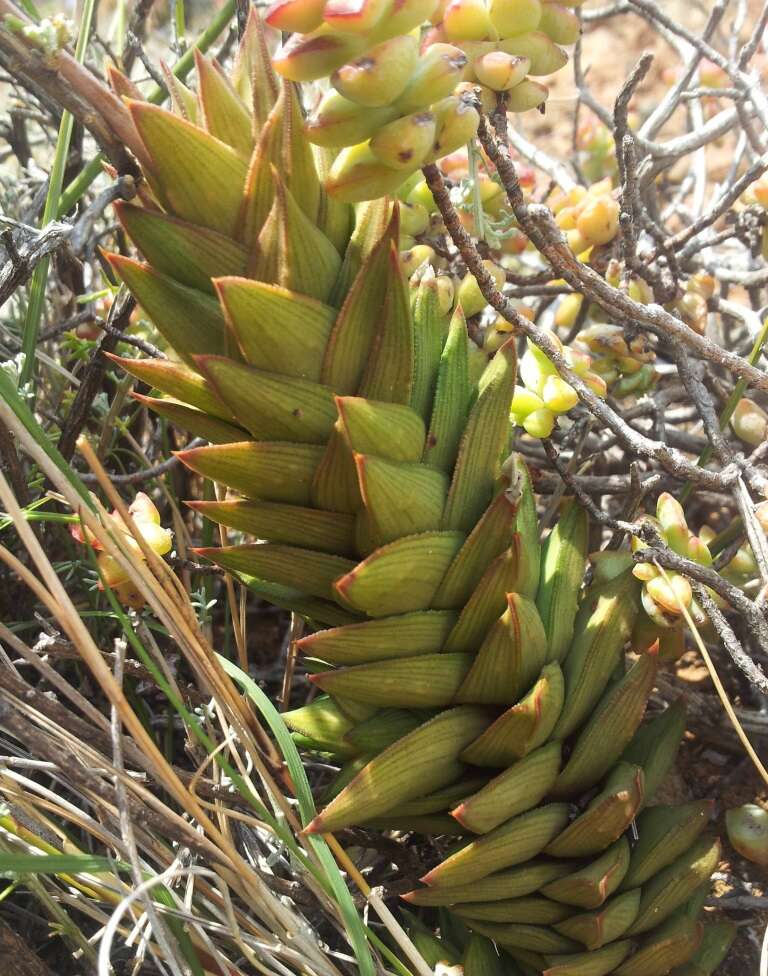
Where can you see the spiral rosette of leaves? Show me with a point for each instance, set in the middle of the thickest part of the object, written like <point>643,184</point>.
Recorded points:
<point>468,690</point>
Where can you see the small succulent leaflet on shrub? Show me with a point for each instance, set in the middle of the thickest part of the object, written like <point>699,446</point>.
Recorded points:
<point>469,687</point>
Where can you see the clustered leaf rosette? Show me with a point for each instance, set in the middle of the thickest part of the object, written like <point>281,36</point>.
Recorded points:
<point>402,96</point>
<point>469,688</point>
<point>544,395</point>
<point>147,521</point>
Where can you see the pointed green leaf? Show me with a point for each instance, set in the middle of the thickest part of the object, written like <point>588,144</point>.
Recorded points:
<point>387,430</point>
<point>421,762</point>
<point>188,319</point>
<point>656,744</point>
<point>382,729</point>
<point>603,626</point>
<point>292,251</point>
<point>562,570</point>
<point>323,722</point>
<point>508,573</point>
<point>605,819</point>
<point>189,253</point>
<point>389,371</point>
<point>290,524</point>
<point>589,886</point>
<point>510,658</point>
<point>195,421</point>
<point>610,922</point>
<point>177,381</point>
<point>318,612</point>
<point>422,632</point>
<point>487,540</point>
<point>518,911</point>
<point>198,178</point>
<point>519,788</point>
<point>297,162</point>
<point>609,729</point>
<point>453,395</point>
<point>401,576</point>
<point>484,437</point>
<point>373,219</point>
<point>305,569</point>
<point>252,73</point>
<point>277,330</point>
<point>400,498</point>
<point>271,406</point>
<point>599,963</point>
<point>354,332</point>
<point>512,883</point>
<point>524,727</point>
<point>335,486</point>
<point>224,114</point>
<point>515,842</point>
<point>259,191</point>
<point>271,471</point>
<point>664,834</point>
<point>424,681</point>
<point>430,325</point>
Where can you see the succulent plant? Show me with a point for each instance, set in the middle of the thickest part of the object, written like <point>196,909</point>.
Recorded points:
<point>399,100</point>
<point>470,688</point>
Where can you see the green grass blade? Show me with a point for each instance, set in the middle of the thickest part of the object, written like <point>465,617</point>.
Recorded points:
<point>40,275</point>
<point>355,928</point>
<point>58,864</point>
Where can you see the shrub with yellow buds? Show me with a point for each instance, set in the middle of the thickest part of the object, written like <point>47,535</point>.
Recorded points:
<point>750,422</point>
<point>147,520</point>
<point>397,103</point>
<point>666,594</point>
<point>589,216</point>
<point>544,395</point>
<point>626,365</point>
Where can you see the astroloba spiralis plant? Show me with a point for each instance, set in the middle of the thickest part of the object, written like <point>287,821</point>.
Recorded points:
<point>468,690</point>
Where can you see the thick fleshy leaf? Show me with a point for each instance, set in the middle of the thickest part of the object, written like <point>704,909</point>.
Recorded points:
<point>510,658</point>
<point>292,251</point>
<point>271,406</point>
<point>270,471</point>
<point>453,395</point>
<point>664,834</point>
<point>487,540</point>
<point>518,911</point>
<point>430,325</point>
<point>589,886</point>
<point>372,220</point>
<point>515,842</point>
<point>605,819</point>
<point>673,886</point>
<point>297,161</point>
<point>188,319</point>
<point>177,381</point>
<point>389,371</point>
<point>603,626</point>
<point>524,727</point>
<point>334,218</point>
<point>335,485</point>
<point>354,332</point>
<point>422,632</point>
<point>323,722</point>
<point>252,74</point>
<point>508,573</point>
<point>276,329</point>
<point>512,883</point>
<point>289,524</point>
<point>259,191</point>
<point>318,612</point>
<point>562,570</point>
<point>599,963</point>
<point>189,253</point>
<point>305,569</point>
<point>486,434</point>
<point>610,922</point>
<point>386,430</point>
<point>223,112</point>
<point>668,946</point>
<point>611,726</point>
<point>441,799</point>
<point>424,681</point>
<point>399,497</point>
<point>195,421</point>
<point>382,729</point>
<point>656,744</point>
<point>401,576</point>
<point>517,789</point>
<point>421,762</point>
<point>198,177</point>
